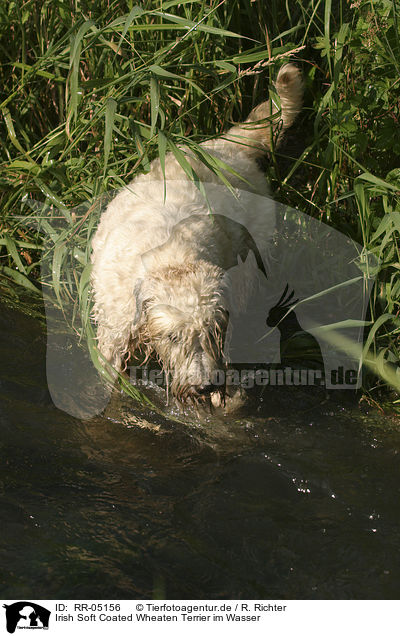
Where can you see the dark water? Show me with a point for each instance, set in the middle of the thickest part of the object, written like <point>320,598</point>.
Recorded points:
<point>297,499</point>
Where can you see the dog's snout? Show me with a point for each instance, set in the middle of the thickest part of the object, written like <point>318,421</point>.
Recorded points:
<point>206,389</point>
<point>203,389</point>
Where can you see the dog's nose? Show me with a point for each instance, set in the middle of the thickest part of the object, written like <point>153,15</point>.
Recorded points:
<point>205,389</point>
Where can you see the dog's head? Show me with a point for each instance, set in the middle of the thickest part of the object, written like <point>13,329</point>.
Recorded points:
<point>181,321</point>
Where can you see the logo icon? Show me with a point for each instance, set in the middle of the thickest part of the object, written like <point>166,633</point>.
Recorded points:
<point>296,344</point>
<point>26,615</point>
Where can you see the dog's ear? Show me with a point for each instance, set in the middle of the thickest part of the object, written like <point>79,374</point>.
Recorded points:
<point>138,293</point>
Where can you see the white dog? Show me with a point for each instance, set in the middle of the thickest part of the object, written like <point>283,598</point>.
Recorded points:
<point>160,257</point>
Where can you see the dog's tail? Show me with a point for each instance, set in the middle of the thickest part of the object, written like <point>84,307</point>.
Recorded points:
<point>290,88</point>
<point>258,136</point>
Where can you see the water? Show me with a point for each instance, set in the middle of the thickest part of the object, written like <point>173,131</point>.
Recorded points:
<point>299,498</point>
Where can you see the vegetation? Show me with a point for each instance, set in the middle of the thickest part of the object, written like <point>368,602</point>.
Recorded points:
<point>92,91</point>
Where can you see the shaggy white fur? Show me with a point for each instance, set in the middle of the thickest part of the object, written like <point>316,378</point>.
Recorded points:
<point>159,257</point>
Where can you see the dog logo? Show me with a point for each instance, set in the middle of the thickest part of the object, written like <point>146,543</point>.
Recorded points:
<point>26,615</point>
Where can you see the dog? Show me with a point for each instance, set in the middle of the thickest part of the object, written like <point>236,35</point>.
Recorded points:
<point>164,245</point>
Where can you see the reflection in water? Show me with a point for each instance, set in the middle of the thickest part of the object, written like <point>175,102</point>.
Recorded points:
<point>297,498</point>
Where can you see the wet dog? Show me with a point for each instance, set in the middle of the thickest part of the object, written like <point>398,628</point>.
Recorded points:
<point>165,243</point>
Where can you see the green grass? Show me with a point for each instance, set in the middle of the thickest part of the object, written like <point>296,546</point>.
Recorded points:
<point>92,91</point>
